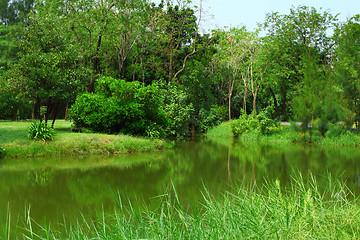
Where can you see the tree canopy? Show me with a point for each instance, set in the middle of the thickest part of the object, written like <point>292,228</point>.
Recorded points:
<point>301,66</point>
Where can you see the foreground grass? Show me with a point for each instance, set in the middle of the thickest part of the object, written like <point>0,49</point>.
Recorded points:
<point>287,134</point>
<point>13,137</point>
<point>300,212</point>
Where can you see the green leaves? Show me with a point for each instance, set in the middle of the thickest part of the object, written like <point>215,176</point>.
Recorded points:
<point>120,107</point>
<point>40,132</point>
<point>2,152</point>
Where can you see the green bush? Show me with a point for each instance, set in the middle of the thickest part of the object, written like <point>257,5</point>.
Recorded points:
<point>335,130</point>
<point>120,107</point>
<point>210,118</point>
<point>40,131</point>
<point>2,152</point>
<point>261,124</point>
<point>179,109</point>
<point>239,126</point>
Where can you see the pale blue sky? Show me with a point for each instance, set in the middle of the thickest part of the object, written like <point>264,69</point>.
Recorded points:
<point>236,12</point>
<point>220,13</point>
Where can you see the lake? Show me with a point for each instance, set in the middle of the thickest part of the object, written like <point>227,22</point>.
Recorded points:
<point>69,188</point>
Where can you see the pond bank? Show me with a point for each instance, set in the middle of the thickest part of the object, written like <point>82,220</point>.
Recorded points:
<point>289,134</point>
<point>13,137</point>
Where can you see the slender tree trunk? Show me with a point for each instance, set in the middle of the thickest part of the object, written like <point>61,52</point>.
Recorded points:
<point>277,110</point>
<point>66,111</point>
<point>254,103</point>
<point>47,113</point>
<point>32,110</point>
<point>229,106</point>
<point>96,66</point>
<point>39,111</point>
<point>244,100</point>
<point>170,66</point>
<point>55,114</point>
<point>134,69</point>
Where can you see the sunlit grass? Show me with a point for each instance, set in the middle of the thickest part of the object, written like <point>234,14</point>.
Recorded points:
<point>287,134</point>
<point>222,130</point>
<point>13,137</point>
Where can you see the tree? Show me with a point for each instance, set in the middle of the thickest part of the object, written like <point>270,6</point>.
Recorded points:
<point>237,51</point>
<point>12,17</point>
<point>104,33</point>
<point>348,64</point>
<point>288,38</point>
<point>46,71</point>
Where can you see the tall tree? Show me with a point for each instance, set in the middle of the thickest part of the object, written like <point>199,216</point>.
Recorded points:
<point>237,51</point>
<point>12,17</point>
<point>348,64</point>
<point>46,71</point>
<point>287,39</point>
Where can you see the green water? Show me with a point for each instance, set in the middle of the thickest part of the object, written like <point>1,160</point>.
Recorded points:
<point>61,188</point>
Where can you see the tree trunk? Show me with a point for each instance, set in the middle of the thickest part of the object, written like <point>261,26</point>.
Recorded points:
<point>170,66</point>
<point>244,101</point>
<point>277,110</point>
<point>254,103</point>
<point>66,111</point>
<point>38,110</point>
<point>55,114</point>
<point>32,110</point>
<point>230,106</point>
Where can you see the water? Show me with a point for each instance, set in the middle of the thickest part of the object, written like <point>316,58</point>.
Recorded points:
<point>61,188</point>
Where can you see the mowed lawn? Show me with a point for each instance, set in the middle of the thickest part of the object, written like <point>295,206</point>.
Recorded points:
<point>11,131</point>
<point>13,137</point>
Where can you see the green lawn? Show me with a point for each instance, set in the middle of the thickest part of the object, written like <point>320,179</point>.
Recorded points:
<point>13,137</point>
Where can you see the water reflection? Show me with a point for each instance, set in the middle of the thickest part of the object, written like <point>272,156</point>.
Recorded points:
<point>58,188</point>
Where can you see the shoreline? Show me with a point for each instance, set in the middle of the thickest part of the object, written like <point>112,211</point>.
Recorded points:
<point>13,136</point>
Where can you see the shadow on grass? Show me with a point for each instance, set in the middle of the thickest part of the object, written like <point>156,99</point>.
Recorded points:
<point>10,135</point>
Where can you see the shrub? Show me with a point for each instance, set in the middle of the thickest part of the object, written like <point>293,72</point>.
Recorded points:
<point>2,152</point>
<point>210,118</point>
<point>40,131</point>
<point>262,124</point>
<point>120,107</point>
<point>335,130</point>
<point>266,124</point>
<point>178,108</point>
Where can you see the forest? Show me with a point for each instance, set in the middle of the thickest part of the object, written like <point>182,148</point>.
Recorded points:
<point>140,68</point>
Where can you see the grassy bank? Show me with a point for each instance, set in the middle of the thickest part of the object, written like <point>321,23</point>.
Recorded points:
<point>13,137</point>
<point>302,211</point>
<point>288,134</point>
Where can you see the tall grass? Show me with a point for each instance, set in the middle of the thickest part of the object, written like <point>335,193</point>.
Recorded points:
<point>302,211</point>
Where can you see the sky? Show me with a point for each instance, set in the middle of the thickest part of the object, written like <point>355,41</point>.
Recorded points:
<point>233,13</point>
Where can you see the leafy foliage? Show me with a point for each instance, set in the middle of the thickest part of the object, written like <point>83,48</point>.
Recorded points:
<point>119,106</point>
<point>2,152</point>
<point>245,123</point>
<point>179,110</point>
<point>14,107</point>
<point>210,118</point>
<point>40,131</point>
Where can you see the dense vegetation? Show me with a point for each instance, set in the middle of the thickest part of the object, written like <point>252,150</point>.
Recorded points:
<point>141,68</point>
